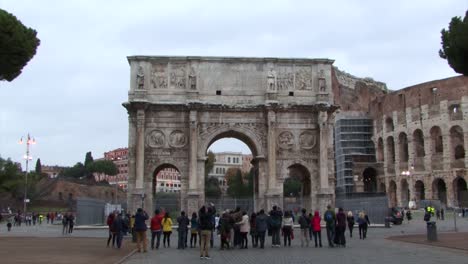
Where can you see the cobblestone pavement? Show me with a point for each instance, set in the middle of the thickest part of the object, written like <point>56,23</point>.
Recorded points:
<point>375,249</point>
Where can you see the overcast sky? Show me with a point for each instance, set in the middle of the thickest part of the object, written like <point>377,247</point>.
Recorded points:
<point>69,96</point>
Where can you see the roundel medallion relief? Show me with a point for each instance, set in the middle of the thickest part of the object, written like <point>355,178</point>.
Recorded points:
<point>286,140</point>
<point>177,139</point>
<point>307,139</point>
<point>155,139</point>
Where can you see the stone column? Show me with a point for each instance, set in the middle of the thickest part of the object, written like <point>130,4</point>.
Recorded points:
<point>427,151</point>
<point>323,161</point>
<point>272,194</point>
<point>140,149</point>
<point>447,163</point>
<point>450,195</point>
<point>193,195</point>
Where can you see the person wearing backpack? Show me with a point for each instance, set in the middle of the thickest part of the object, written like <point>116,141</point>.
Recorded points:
<point>304,223</point>
<point>330,220</point>
<point>363,221</point>
<point>276,217</point>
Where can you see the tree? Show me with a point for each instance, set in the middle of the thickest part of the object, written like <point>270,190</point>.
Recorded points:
<point>292,187</point>
<point>38,166</point>
<point>455,44</point>
<point>77,171</point>
<point>235,182</point>
<point>209,163</point>
<point>18,45</point>
<point>10,177</point>
<point>103,166</point>
<point>88,159</point>
<point>212,188</point>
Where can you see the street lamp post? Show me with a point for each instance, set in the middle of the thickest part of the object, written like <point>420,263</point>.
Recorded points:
<point>27,157</point>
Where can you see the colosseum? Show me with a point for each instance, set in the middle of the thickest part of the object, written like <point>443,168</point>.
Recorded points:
<point>421,137</point>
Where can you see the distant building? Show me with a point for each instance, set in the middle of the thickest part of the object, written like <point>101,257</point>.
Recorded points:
<point>52,171</point>
<point>168,180</point>
<point>120,158</point>
<point>226,160</point>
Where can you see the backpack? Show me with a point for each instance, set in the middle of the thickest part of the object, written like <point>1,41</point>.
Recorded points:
<point>328,216</point>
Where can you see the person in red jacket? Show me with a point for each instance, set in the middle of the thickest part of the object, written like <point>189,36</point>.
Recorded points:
<point>156,228</point>
<point>316,228</point>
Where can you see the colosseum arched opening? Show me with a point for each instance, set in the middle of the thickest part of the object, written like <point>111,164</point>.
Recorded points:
<point>419,191</point>
<point>437,148</point>
<point>389,124</point>
<point>369,177</point>
<point>439,190</point>
<point>380,150</point>
<point>460,192</point>
<point>403,151</point>
<point>457,146</point>
<point>390,155</point>
<point>419,153</point>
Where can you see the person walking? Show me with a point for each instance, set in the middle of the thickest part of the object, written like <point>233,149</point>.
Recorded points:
<point>304,223</point>
<point>193,230</point>
<point>363,222</point>
<point>261,225</point>
<point>117,228</point>
<point>253,230</point>
<point>140,229</point>
<point>65,224</point>
<point>167,230</point>
<point>350,220</point>
<point>408,215</point>
<point>287,224</point>
<point>316,228</point>
<point>206,227</point>
<point>276,217</point>
<point>244,228</point>
<point>156,228</point>
<point>442,214</point>
<point>110,219</point>
<point>224,230</point>
<point>71,222</point>
<point>182,230</point>
<point>330,220</point>
<point>340,228</point>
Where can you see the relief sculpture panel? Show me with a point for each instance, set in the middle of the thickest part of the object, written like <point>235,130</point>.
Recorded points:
<point>177,139</point>
<point>286,140</point>
<point>303,78</point>
<point>155,139</point>
<point>285,79</point>
<point>159,76</point>
<point>308,139</point>
<point>178,76</point>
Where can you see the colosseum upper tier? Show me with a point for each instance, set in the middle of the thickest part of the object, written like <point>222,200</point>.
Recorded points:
<point>421,138</point>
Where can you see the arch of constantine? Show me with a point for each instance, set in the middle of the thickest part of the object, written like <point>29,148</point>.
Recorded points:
<point>283,109</point>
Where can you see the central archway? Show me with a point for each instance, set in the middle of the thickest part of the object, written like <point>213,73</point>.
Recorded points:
<point>297,189</point>
<point>234,169</point>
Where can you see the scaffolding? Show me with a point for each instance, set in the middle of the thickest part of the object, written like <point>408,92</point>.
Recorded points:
<point>353,141</point>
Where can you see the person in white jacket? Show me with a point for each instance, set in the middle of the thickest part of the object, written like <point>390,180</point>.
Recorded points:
<point>244,226</point>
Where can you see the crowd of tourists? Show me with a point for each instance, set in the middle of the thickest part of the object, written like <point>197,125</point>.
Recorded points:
<point>235,228</point>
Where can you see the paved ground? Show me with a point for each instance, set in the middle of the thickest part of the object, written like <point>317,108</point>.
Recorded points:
<point>375,249</point>
<point>59,250</point>
<point>37,243</point>
<point>448,240</point>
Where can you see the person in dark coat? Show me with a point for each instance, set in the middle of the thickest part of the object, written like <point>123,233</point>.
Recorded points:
<point>206,227</point>
<point>363,222</point>
<point>276,217</point>
<point>350,220</point>
<point>140,229</point>
<point>340,239</point>
<point>183,223</point>
<point>117,228</point>
<point>261,226</point>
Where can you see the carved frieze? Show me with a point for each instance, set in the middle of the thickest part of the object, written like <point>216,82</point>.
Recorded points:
<point>155,139</point>
<point>285,79</point>
<point>307,139</point>
<point>178,76</point>
<point>286,140</point>
<point>177,139</point>
<point>303,78</point>
<point>159,76</point>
